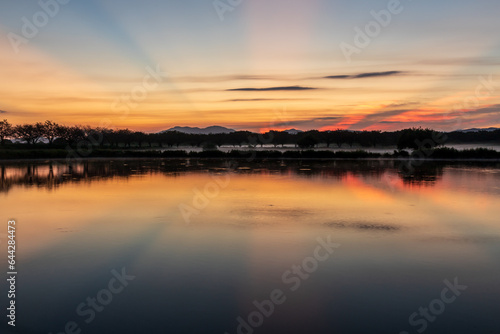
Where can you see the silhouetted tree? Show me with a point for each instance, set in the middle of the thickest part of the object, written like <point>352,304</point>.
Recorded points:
<point>307,141</point>
<point>139,137</point>
<point>50,131</point>
<point>85,135</point>
<point>415,138</point>
<point>6,130</point>
<point>63,134</point>
<point>77,134</point>
<point>124,136</point>
<point>368,138</point>
<point>338,137</point>
<point>30,133</point>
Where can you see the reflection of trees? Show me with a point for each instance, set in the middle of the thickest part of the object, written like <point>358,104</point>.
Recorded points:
<point>365,168</point>
<point>51,175</point>
<point>426,174</point>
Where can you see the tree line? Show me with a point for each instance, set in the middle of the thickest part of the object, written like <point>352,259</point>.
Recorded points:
<point>49,133</point>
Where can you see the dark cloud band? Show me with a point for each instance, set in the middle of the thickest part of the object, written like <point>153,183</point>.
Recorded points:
<point>270,89</point>
<point>364,75</point>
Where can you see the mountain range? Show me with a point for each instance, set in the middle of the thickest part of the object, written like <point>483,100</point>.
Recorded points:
<point>477,130</point>
<point>201,131</point>
<point>220,129</point>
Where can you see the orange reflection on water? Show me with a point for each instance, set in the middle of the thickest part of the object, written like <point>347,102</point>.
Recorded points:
<point>262,202</point>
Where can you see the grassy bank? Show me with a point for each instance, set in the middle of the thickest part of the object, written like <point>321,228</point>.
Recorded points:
<point>59,153</point>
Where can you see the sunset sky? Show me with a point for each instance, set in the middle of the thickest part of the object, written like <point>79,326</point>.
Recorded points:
<point>266,64</point>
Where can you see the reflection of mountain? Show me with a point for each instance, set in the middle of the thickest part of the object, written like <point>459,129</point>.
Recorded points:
<point>51,175</point>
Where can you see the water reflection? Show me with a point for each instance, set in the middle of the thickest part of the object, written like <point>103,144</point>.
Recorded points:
<point>51,175</point>
<point>365,226</point>
<point>400,238</point>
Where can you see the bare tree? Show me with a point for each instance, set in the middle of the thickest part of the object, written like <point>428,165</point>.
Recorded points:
<point>6,130</point>
<point>71,134</point>
<point>50,131</point>
<point>29,132</point>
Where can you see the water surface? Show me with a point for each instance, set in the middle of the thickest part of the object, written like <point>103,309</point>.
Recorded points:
<point>205,239</point>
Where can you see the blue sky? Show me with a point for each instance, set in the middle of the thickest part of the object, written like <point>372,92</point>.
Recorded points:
<point>93,52</point>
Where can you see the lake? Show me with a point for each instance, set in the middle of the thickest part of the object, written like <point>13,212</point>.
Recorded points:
<point>209,246</point>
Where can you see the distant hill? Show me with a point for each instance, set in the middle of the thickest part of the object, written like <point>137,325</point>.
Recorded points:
<point>477,130</point>
<point>293,131</point>
<point>201,131</point>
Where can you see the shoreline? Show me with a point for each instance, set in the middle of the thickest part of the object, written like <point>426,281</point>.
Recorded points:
<point>431,153</point>
<point>77,160</point>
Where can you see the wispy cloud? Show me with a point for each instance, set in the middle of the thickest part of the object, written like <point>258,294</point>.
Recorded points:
<point>402,104</point>
<point>377,117</point>
<point>365,226</point>
<point>453,61</point>
<point>365,75</point>
<point>377,74</point>
<point>269,89</point>
<point>311,123</point>
<point>339,77</point>
<point>223,78</point>
<point>494,109</point>
<point>304,124</point>
<point>446,121</point>
<point>253,100</point>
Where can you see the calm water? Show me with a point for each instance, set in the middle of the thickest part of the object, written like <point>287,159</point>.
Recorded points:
<point>205,242</point>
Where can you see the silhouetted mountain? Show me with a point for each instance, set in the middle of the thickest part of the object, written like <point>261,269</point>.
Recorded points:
<point>293,131</point>
<point>203,131</point>
<point>477,130</point>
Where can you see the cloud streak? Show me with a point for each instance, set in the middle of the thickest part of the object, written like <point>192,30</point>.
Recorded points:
<point>494,109</point>
<point>253,100</point>
<point>365,75</point>
<point>377,117</point>
<point>270,89</point>
<point>365,226</point>
<point>310,123</point>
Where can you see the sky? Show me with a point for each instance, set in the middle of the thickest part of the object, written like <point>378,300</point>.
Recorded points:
<point>251,64</point>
